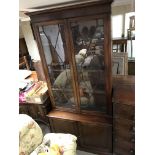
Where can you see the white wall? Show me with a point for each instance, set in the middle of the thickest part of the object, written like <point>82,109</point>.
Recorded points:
<point>122,9</point>
<point>120,24</point>
<point>119,12</point>
<point>29,39</point>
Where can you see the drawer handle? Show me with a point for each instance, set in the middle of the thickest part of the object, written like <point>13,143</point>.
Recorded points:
<point>132,152</point>
<point>115,139</point>
<point>133,140</point>
<point>133,129</point>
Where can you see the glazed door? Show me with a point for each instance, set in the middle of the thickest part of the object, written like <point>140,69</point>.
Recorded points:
<point>55,54</point>
<point>89,53</point>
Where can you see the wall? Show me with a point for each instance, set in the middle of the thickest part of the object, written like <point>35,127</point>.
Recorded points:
<point>122,9</point>
<point>20,31</point>
<point>30,42</point>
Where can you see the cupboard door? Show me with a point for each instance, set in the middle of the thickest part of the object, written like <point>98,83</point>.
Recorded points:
<point>58,64</point>
<point>88,46</point>
<point>96,136</point>
<point>63,126</point>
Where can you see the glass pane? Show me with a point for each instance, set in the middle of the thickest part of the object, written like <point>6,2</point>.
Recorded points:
<point>54,45</point>
<point>88,39</point>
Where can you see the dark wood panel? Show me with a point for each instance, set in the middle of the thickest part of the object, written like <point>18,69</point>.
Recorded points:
<point>119,151</point>
<point>124,124</point>
<point>23,51</point>
<point>125,135</point>
<point>23,109</point>
<point>36,111</point>
<point>125,79</point>
<point>123,147</point>
<point>47,106</point>
<point>108,62</point>
<point>124,90</point>
<point>131,67</point>
<point>63,126</point>
<point>123,115</point>
<point>96,136</point>
<point>124,111</point>
<point>71,11</point>
<point>81,117</point>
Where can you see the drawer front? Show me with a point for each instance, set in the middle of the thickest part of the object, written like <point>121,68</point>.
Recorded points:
<point>122,147</point>
<point>119,151</point>
<point>124,111</point>
<point>124,124</point>
<point>125,135</point>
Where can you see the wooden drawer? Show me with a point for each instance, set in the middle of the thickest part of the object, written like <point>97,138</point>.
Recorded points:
<point>119,151</point>
<point>124,124</point>
<point>122,147</point>
<point>124,111</point>
<point>125,135</point>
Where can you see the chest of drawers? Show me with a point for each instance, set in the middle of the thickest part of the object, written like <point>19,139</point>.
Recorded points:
<point>36,111</point>
<point>124,117</point>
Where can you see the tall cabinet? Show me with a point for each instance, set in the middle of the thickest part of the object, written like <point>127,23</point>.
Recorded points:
<point>74,42</point>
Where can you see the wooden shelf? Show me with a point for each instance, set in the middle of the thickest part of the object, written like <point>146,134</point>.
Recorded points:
<point>80,117</point>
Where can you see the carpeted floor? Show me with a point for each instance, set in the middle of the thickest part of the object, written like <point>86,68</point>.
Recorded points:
<point>45,128</point>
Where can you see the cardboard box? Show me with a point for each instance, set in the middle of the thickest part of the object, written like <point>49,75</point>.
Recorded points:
<point>39,96</point>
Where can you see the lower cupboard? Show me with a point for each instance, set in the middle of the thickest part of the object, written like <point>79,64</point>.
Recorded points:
<point>92,137</point>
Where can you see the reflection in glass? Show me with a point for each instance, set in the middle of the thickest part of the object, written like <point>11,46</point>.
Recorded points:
<point>88,39</point>
<point>54,45</point>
